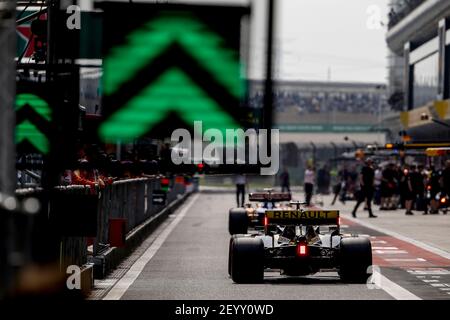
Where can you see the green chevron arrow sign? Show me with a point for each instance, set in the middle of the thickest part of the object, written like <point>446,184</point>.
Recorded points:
<point>154,37</point>
<point>33,116</point>
<point>169,62</point>
<point>154,103</point>
<point>27,131</point>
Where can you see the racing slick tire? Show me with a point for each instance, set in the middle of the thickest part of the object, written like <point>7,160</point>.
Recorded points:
<point>355,259</point>
<point>237,221</point>
<point>230,248</point>
<point>247,260</point>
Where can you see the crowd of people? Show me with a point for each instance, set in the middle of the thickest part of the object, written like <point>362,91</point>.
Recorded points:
<point>320,102</point>
<point>389,185</point>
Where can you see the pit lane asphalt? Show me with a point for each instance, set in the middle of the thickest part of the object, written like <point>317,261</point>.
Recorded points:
<point>192,264</point>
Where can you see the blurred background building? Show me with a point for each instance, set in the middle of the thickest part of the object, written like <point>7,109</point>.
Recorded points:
<point>418,38</point>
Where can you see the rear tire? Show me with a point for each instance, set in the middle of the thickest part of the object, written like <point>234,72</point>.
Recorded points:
<point>230,251</point>
<point>237,221</point>
<point>247,260</point>
<point>355,259</point>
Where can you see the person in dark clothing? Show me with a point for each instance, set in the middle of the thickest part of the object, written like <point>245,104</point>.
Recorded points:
<point>367,188</point>
<point>398,175</point>
<point>377,185</point>
<point>418,186</point>
<point>284,180</point>
<point>387,188</point>
<point>446,177</point>
<point>339,187</point>
<point>240,181</point>
<point>336,191</point>
<point>435,187</point>
<point>323,180</point>
<point>407,190</point>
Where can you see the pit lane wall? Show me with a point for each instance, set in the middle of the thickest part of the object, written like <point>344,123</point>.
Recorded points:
<point>79,226</point>
<point>130,201</point>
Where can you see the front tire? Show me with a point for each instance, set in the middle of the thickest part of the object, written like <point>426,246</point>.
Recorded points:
<point>237,221</point>
<point>355,259</point>
<point>247,260</point>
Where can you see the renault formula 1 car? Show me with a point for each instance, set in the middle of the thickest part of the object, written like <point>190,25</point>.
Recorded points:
<point>299,241</point>
<point>241,219</point>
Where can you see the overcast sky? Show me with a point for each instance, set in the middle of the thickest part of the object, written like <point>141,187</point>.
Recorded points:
<point>340,40</point>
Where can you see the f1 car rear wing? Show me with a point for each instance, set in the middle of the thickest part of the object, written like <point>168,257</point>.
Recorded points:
<point>269,196</point>
<point>302,217</point>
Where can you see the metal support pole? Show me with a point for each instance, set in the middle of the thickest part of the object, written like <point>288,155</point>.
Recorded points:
<point>7,97</point>
<point>7,121</point>
<point>268,89</point>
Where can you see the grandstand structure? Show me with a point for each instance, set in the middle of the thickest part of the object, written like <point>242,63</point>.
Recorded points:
<point>321,121</point>
<point>325,107</point>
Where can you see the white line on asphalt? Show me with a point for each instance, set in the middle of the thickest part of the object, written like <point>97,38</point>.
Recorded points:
<point>394,290</point>
<point>405,260</point>
<point>429,271</point>
<point>437,285</point>
<point>384,248</point>
<point>390,252</point>
<point>417,243</point>
<point>128,279</point>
